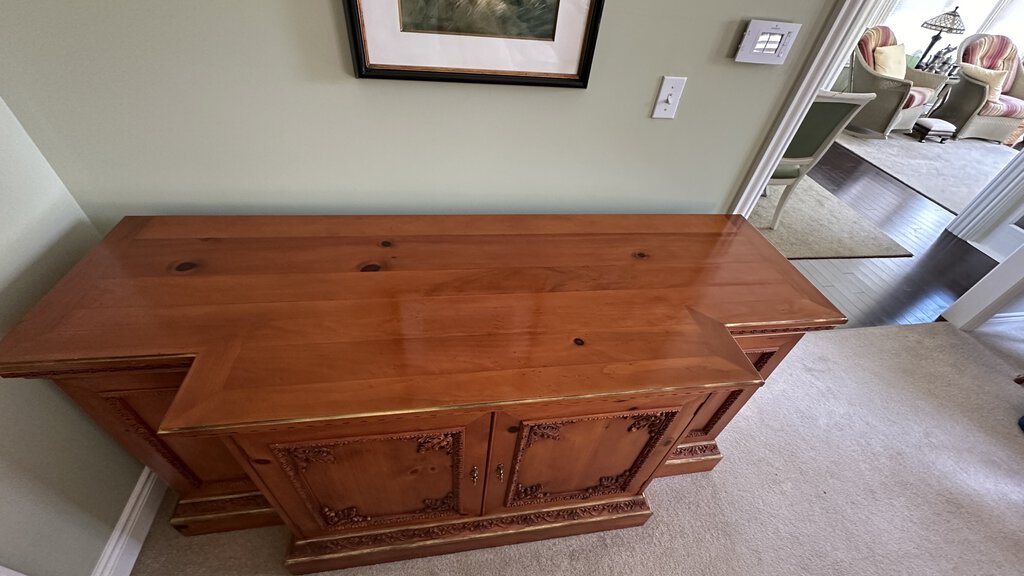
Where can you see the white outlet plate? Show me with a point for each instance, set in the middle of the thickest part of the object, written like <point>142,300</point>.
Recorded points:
<point>668,97</point>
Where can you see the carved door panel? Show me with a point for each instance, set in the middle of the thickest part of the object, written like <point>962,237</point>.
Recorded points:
<point>349,477</point>
<point>551,461</point>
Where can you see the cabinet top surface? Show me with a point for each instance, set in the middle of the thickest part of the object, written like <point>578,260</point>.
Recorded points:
<point>307,317</point>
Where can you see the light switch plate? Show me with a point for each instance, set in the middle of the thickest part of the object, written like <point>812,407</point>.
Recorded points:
<point>767,42</point>
<point>668,97</point>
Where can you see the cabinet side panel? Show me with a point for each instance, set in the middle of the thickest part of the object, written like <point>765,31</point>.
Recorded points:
<point>766,352</point>
<point>130,406</point>
<point>205,457</point>
<point>116,416</point>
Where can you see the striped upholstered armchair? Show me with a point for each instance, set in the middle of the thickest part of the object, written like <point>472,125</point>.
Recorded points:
<point>969,106</point>
<point>900,101</point>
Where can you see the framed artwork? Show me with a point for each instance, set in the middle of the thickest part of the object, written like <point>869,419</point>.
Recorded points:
<point>540,42</point>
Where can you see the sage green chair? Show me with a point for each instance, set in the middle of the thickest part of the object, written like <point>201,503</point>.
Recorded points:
<point>828,116</point>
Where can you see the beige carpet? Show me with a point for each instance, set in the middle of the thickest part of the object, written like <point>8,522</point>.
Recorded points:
<point>950,174</point>
<point>870,452</point>
<point>816,224</point>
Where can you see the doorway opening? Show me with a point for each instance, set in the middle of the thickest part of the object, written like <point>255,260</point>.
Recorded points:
<point>906,186</point>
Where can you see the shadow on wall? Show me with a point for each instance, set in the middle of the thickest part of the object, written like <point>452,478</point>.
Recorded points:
<point>28,285</point>
<point>326,62</point>
<point>61,479</point>
<point>50,462</point>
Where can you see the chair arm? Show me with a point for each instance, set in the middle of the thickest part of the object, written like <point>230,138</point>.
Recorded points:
<point>891,93</point>
<point>965,100</point>
<point>925,79</point>
<point>867,80</point>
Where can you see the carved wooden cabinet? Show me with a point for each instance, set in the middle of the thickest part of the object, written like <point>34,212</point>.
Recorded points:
<point>394,386</point>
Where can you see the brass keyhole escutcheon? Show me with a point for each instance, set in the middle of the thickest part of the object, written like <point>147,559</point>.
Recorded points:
<point>501,472</point>
<point>474,473</point>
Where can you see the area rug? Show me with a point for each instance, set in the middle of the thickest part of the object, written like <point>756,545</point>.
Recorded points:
<point>816,224</point>
<point>869,452</point>
<point>949,174</point>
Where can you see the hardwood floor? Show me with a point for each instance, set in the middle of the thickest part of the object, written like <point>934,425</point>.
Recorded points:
<point>880,291</point>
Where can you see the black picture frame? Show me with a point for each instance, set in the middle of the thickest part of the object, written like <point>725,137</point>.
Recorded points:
<point>364,69</point>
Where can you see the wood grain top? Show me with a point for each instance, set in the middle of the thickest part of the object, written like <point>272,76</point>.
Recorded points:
<point>312,317</point>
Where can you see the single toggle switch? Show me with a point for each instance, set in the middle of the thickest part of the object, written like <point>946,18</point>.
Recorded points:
<point>668,97</point>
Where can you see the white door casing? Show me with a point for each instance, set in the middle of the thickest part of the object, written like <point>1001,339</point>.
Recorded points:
<point>987,222</point>
<point>848,21</point>
<point>990,295</point>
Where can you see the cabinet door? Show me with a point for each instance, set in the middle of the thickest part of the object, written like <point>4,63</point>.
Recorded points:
<point>356,476</point>
<point>541,460</point>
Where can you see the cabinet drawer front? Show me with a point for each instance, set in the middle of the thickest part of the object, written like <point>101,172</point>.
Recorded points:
<point>356,481</point>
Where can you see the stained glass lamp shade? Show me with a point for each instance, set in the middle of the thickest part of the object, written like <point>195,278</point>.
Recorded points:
<point>948,22</point>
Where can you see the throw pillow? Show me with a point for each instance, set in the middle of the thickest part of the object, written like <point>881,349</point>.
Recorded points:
<point>891,61</point>
<point>992,78</point>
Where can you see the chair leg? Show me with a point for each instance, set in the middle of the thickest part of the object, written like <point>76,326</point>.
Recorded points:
<point>782,202</point>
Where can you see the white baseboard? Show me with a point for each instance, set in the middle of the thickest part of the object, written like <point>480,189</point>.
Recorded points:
<point>122,549</point>
<point>9,572</point>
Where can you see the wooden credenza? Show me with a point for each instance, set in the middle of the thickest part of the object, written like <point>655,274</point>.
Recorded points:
<point>392,387</point>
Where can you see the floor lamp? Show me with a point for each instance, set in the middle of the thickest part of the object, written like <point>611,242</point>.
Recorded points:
<point>949,22</point>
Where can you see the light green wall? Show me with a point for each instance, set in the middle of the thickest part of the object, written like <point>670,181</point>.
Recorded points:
<point>63,482</point>
<point>226,106</point>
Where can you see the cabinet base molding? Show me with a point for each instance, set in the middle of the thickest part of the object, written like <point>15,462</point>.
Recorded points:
<point>442,538</point>
<point>221,513</point>
<point>690,458</point>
